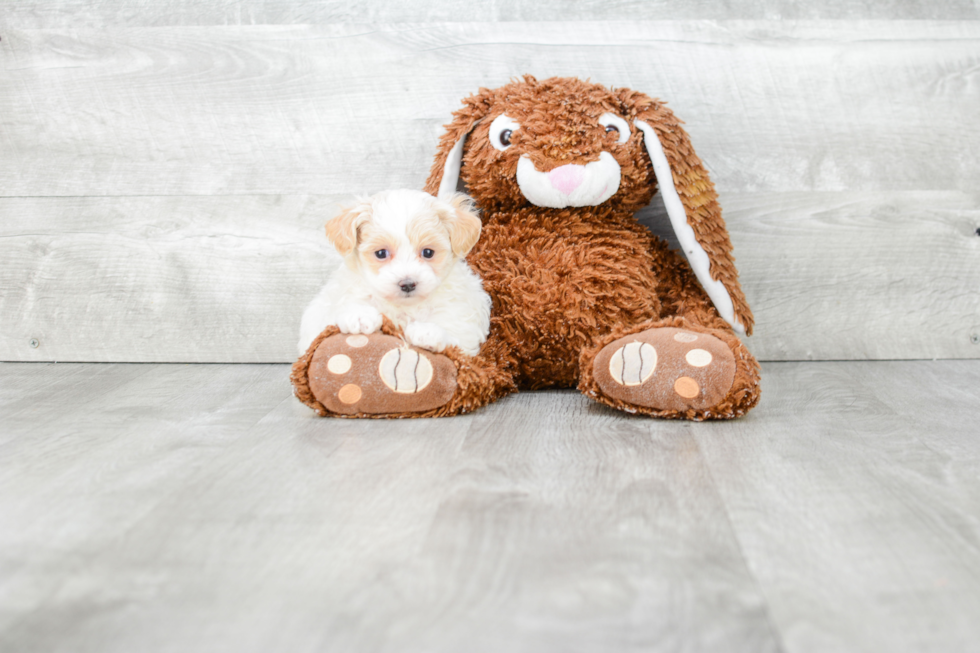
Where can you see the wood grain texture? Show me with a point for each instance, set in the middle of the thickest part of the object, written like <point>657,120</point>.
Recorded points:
<point>854,493</point>
<point>84,13</point>
<point>162,189</point>
<point>860,275</point>
<point>829,275</point>
<point>202,508</point>
<point>828,106</point>
<point>159,278</point>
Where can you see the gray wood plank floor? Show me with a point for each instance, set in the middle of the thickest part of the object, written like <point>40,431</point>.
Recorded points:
<point>201,508</point>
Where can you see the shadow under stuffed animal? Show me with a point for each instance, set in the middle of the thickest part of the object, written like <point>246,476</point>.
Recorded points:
<point>583,294</point>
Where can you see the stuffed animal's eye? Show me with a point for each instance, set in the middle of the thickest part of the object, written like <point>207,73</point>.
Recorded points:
<point>501,130</point>
<point>615,125</point>
<point>427,253</point>
<point>381,254</point>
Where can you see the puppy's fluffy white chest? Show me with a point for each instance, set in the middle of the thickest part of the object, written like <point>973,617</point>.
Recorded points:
<point>458,306</point>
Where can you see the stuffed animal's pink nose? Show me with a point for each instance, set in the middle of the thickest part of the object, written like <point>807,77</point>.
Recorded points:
<point>567,178</point>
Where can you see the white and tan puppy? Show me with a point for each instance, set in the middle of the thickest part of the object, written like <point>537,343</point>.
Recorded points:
<point>404,259</point>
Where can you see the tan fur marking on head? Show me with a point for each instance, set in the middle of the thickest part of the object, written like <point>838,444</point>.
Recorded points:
<point>462,223</point>
<point>342,229</point>
<point>373,238</point>
<point>428,232</point>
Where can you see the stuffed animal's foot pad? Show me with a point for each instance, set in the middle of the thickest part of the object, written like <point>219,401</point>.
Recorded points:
<point>666,369</point>
<point>378,374</point>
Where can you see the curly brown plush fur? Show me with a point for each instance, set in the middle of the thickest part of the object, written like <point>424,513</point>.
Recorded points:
<point>567,282</point>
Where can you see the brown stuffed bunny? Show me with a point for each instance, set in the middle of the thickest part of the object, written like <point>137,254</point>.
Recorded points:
<point>583,295</point>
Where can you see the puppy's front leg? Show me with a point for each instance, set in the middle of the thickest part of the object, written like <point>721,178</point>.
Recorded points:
<point>428,335</point>
<point>359,318</point>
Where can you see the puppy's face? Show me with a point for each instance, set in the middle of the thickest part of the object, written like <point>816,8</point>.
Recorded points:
<point>404,243</point>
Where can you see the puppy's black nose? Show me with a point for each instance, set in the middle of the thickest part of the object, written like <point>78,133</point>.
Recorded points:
<point>407,285</point>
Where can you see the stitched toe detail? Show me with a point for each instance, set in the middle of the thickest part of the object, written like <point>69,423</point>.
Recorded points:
<point>377,374</point>
<point>666,369</point>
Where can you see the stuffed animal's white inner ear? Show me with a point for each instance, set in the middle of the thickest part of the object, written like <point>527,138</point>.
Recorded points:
<point>696,255</point>
<point>450,171</point>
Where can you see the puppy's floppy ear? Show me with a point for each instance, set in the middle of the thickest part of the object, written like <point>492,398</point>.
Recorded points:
<point>342,228</point>
<point>444,175</point>
<point>461,221</point>
<point>692,205</point>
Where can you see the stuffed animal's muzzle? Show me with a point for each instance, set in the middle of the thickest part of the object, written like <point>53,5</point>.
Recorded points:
<point>569,185</point>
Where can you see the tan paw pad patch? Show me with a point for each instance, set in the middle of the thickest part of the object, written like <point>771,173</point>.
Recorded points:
<point>633,364</point>
<point>377,374</point>
<point>666,369</point>
<point>405,370</point>
<point>349,394</point>
<point>687,387</point>
<point>698,357</point>
<point>339,364</point>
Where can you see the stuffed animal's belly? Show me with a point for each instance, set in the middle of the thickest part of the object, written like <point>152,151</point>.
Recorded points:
<point>557,295</point>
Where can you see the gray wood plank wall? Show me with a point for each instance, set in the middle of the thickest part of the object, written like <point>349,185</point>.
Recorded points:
<point>166,169</point>
<point>40,14</point>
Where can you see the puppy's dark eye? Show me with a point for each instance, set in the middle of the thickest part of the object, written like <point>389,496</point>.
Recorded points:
<point>612,128</point>
<point>427,253</point>
<point>381,254</point>
<point>505,137</point>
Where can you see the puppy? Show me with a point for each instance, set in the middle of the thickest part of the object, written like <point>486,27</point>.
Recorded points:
<point>404,259</point>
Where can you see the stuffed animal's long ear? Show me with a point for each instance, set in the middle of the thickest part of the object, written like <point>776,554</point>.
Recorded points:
<point>462,222</point>
<point>444,175</point>
<point>342,228</point>
<point>692,205</point>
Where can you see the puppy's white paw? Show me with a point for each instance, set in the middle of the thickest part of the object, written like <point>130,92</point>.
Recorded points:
<point>427,336</point>
<point>359,319</point>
